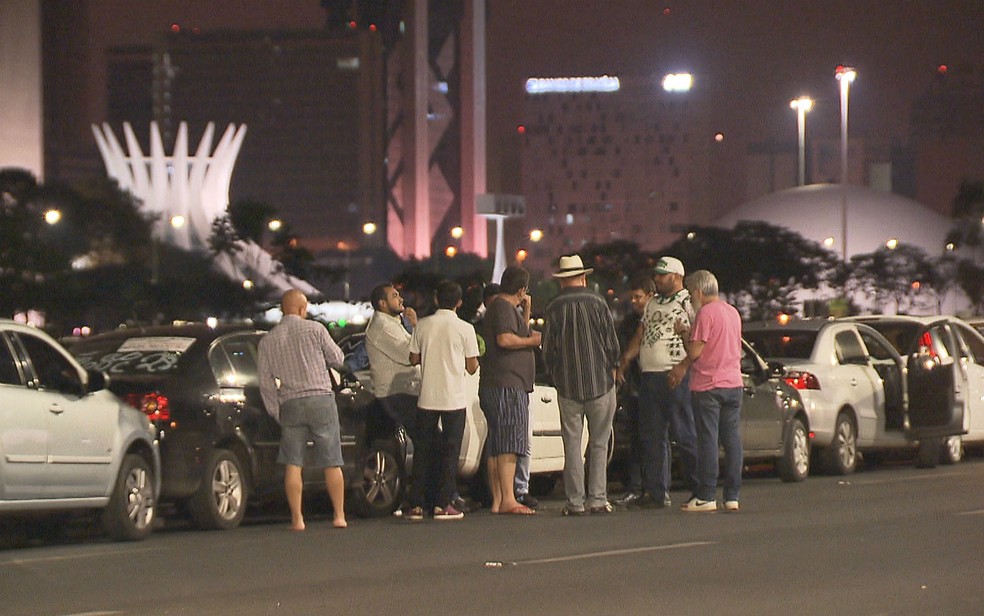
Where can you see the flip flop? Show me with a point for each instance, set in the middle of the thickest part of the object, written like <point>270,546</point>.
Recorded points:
<point>521,510</point>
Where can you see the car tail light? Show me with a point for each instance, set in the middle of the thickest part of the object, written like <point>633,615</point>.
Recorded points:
<point>926,345</point>
<point>153,405</point>
<point>802,379</point>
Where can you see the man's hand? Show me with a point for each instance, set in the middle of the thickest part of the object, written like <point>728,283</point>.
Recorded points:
<point>526,304</point>
<point>681,328</point>
<point>411,316</point>
<point>675,377</point>
<point>619,376</point>
<point>536,336</point>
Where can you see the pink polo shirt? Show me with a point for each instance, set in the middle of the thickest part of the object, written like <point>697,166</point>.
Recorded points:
<point>718,326</point>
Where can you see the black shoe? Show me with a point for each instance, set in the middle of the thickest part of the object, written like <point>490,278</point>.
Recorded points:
<point>528,500</point>
<point>648,501</point>
<point>628,499</point>
<point>569,510</point>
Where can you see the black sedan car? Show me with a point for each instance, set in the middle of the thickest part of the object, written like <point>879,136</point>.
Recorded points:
<point>218,445</point>
<point>774,424</point>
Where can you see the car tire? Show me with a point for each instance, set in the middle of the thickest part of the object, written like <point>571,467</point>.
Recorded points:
<point>928,453</point>
<point>951,450</point>
<point>842,454</point>
<point>220,501</point>
<point>382,481</point>
<point>129,516</point>
<point>794,465</point>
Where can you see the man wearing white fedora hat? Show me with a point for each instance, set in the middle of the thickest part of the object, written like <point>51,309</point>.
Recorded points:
<point>580,347</point>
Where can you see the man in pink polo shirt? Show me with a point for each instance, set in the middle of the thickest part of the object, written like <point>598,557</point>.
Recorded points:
<point>714,353</point>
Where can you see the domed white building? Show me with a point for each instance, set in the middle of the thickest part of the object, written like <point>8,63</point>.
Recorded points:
<point>826,213</point>
<point>873,217</point>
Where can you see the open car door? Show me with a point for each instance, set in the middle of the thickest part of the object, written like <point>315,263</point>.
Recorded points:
<point>936,404</point>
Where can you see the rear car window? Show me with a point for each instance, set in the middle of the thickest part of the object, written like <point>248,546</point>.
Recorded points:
<point>152,355</point>
<point>782,343</point>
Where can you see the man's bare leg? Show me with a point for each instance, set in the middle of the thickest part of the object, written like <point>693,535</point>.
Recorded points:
<point>294,486</point>
<point>493,473</point>
<point>335,482</point>
<point>506,464</point>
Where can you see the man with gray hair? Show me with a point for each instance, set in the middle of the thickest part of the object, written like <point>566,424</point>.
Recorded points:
<point>714,358</point>
<point>581,349</point>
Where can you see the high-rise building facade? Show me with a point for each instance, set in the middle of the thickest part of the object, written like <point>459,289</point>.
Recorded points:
<point>630,163</point>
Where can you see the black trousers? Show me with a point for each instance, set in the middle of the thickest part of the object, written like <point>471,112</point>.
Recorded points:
<point>436,451</point>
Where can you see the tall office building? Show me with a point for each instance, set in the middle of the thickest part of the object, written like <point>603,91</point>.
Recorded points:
<point>613,159</point>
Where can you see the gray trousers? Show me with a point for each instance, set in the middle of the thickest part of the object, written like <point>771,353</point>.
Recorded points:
<point>599,414</point>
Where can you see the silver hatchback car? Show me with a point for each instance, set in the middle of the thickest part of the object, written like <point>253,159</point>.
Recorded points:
<point>67,443</point>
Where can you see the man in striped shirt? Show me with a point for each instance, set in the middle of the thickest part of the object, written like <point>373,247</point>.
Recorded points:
<point>292,368</point>
<point>580,347</point>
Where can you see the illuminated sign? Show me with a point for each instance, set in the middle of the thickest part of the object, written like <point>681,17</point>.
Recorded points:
<point>572,84</point>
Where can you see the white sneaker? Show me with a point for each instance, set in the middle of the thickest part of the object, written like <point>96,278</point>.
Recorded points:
<point>731,505</point>
<point>695,504</point>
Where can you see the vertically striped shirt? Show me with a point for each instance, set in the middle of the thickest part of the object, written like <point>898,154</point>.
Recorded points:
<point>580,345</point>
<point>293,362</point>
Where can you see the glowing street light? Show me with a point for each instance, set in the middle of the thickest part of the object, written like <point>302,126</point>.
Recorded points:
<point>536,235</point>
<point>369,228</point>
<point>451,251</point>
<point>678,82</point>
<point>177,221</point>
<point>521,255</point>
<point>52,216</point>
<point>457,232</point>
<point>275,225</point>
<point>802,105</point>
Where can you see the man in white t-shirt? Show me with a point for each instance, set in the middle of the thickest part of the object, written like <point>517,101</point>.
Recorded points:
<point>662,406</point>
<point>445,347</point>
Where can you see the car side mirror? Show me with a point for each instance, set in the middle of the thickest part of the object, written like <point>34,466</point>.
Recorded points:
<point>776,369</point>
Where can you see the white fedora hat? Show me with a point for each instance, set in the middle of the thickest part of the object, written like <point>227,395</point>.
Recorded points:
<point>571,265</point>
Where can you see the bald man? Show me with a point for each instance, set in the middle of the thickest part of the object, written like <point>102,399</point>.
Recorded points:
<point>296,389</point>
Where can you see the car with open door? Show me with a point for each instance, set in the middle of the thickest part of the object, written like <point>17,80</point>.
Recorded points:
<point>962,346</point>
<point>859,392</point>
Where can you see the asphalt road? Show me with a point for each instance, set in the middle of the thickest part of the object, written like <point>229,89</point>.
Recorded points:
<point>892,540</point>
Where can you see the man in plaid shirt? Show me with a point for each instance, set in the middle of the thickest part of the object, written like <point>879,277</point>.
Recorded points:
<point>296,389</point>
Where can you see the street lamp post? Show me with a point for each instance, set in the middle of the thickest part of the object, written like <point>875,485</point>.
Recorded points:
<point>846,76</point>
<point>802,105</point>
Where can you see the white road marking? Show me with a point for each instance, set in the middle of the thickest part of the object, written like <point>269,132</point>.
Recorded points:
<point>607,553</point>
<point>977,512</point>
<point>31,561</point>
<point>93,614</point>
<point>863,481</point>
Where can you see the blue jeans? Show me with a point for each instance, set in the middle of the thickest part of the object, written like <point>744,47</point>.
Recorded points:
<point>662,409</point>
<point>717,413</point>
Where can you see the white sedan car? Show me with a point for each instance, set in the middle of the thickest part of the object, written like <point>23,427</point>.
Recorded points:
<point>952,338</point>
<point>859,393</point>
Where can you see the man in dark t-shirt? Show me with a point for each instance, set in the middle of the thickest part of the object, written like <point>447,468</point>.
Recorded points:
<point>506,380</point>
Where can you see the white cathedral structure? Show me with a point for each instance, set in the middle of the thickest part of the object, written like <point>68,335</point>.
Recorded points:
<point>186,192</point>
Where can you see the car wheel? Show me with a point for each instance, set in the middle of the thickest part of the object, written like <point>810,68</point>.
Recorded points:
<point>952,450</point>
<point>842,455</point>
<point>794,465</point>
<point>220,502</point>
<point>383,481</point>
<point>130,513</point>
<point>928,454</point>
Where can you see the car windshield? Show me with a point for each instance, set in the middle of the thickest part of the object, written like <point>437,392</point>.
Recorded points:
<point>903,336</point>
<point>782,343</point>
<point>153,355</point>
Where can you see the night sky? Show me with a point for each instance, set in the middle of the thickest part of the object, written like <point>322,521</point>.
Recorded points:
<point>751,56</point>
